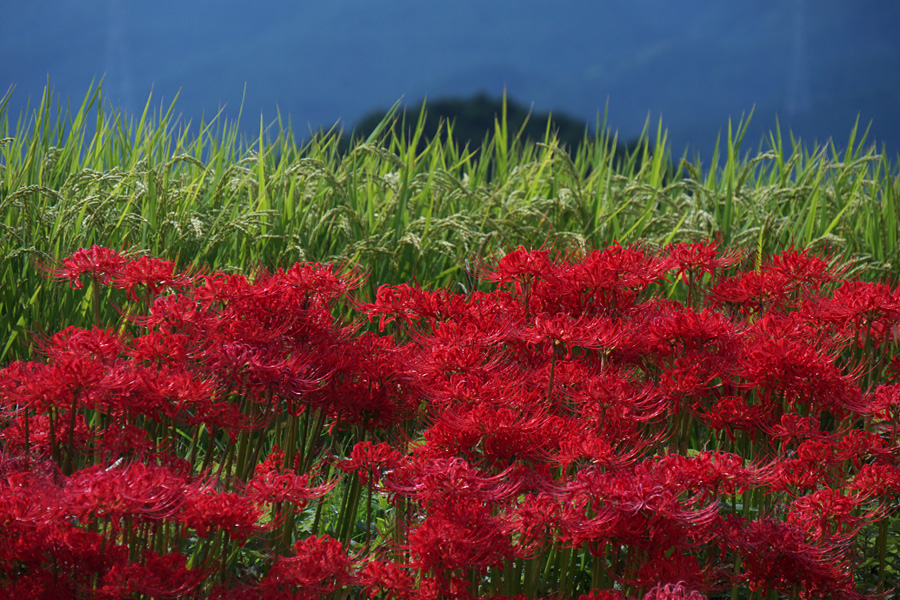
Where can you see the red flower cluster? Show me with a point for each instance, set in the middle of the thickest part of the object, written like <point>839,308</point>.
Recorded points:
<point>623,425</point>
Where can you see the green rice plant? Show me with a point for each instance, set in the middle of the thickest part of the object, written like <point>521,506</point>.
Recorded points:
<point>205,195</point>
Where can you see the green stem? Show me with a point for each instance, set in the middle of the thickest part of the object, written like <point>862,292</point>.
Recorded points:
<point>737,571</point>
<point>225,466</point>
<point>318,517</point>
<point>564,566</point>
<point>551,560</point>
<point>27,438</point>
<point>370,487</point>
<point>552,372</point>
<point>290,443</point>
<point>532,572</point>
<point>246,468</point>
<point>195,439</point>
<point>95,286</point>
<point>348,516</point>
<point>210,444</point>
<point>598,579</point>
<point>54,447</point>
<point>882,551</point>
<point>308,447</point>
<point>70,450</point>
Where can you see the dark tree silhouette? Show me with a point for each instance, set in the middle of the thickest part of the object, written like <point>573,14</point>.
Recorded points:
<point>473,119</point>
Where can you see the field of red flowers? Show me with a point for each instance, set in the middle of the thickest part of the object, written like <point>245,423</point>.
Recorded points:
<point>683,423</point>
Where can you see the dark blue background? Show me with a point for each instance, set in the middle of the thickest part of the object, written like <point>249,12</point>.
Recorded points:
<point>815,64</point>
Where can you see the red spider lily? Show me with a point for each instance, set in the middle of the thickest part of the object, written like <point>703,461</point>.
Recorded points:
<point>712,473</point>
<point>318,566</point>
<point>444,587</point>
<point>272,483</point>
<point>857,444</point>
<point>677,331</point>
<point>793,426</point>
<point>126,441</point>
<point>99,263</point>
<point>778,556</point>
<point>219,290</point>
<point>578,443</point>
<point>206,510</point>
<point>533,420</point>
<point>614,399</point>
<point>410,304</point>
<point>781,358</point>
<point>386,579</point>
<point>79,555</point>
<point>787,280</point>
<point>486,321</point>
<point>884,405</point>
<point>603,595</point>
<point>667,565</point>
<point>369,460</point>
<point>461,349</point>
<point>134,491</point>
<point>174,393</point>
<point>496,386</point>
<point>27,384</point>
<point>178,315</point>
<point>673,591</point>
<point>561,331</point>
<point>520,265</point>
<point>401,303</point>
<point>735,413</point>
<point>869,311</point>
<point>754,293</point>
<point>157,347</point>
<point>73,373</point>
<point>30,494</point>
<point>43,435</point>
<point>536,518</point>
<point>493,434</point>
<point>79,359</point>
<point>693,381</point>
<point>611,279</point>
<point>298,309</point>
<point>154,273</point>
<point>321,280</point>
<point>260,340</point>
<point>160,577</point>
<point>811,466</point>
<point>439,481</point>
<point>640,509</point>
<point>98,344</point>
<point>694,259</point>
<point>828,515</point>
<point>463,535</point>
<point>460,506</point>
<point>369,384</point>
<point>893,369</point>
<point>877,480</point>
<point>262,371</point>
<point>37,585</point>
<point>37,537</point>
<point>803,269</point>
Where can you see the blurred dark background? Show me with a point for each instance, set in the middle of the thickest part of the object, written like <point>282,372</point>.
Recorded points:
<point>815,65</point>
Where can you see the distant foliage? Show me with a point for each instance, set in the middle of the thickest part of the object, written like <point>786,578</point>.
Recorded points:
<point>473,119</point>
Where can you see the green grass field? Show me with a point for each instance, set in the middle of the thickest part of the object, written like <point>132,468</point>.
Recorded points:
<point>199,193</point>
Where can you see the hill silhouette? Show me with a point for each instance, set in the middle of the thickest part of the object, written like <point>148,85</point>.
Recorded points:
<point>473,119</point>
